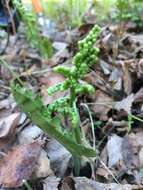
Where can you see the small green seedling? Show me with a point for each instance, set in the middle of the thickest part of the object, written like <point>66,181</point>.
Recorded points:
<point>131,119</point>
<point>49,117</point>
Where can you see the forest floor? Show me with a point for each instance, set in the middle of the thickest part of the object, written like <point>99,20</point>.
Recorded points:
<point>30,159</point>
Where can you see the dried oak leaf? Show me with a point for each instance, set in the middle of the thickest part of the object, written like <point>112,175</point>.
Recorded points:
<point>114,150</point>
<point>51,183</point>
<point>130,151</point>
<point>138,98</point>
<point>125,104</point>
<point>82,183</point>
<point>102,104</point>
<point>67,184</point>
<point>18,165</point>
<point>60,157</point>
<point>8,127</point>
<point>7,124</point>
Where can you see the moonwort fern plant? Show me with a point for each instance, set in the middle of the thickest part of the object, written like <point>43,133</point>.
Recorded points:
<point>48,117</point>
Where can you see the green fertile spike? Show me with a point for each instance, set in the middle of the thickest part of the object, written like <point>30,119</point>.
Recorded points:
<point>65,71</point>
<point>84,88</point>
<point>53,89</point>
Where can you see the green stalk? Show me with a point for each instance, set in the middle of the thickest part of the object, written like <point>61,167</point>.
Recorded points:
<point>75,132</point>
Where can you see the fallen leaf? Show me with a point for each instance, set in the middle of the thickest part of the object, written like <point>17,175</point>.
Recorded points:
<point>82,183</point>
<point>138,98</point>
<point>105,67</point>
<point>67,184</point>
<point>103,173</point>
<point>4,104</point>
<point>116,78</point>
<point>130,151</point>
<point>59,157</point>
<point>51,183</point>
<point>125,104</point>
<point>5,107</point>
<point>8,127</point>
<point>114,150</point>
<point>141,157</point>
<point>8,124</point>
<point>18,165</point>
<point>29,134</point>
<point>102,104</point>
<point>43,168</point>
<point>59,46</point>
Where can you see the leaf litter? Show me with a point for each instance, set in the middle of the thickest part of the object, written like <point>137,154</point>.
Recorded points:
<point>26,153</point>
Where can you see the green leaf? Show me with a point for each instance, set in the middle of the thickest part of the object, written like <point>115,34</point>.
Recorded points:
<point>38,113</point>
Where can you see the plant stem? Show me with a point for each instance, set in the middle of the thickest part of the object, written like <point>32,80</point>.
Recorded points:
<point>77,165</point>
<point>72,96</point>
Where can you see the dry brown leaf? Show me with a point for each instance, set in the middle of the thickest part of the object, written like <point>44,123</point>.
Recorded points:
<point>18,165</point>
<point>4,104</point>
<point>103,173</point>
<point>43,168</point>
<point>60,157</point>
<point>114,150</point>
<point>97,80</point>
<point>105,67</point>
<point>136,139</point>
<point>51,183</point>
<point>116,78</point>
<point>125,104</point>
<point>60,46</point>
<point>130,151</point>
<point>8,124</point>
<point>67,184</point>
<point>141,157</point>
<point>82,183</point>
<point>102,104</point>
<point>139,96</point>
<point>29,134</point>
<point>8,127</point>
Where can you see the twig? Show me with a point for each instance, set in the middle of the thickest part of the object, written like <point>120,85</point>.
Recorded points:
<point>11,18</point>
<point>107,104</point>
<point>36,72</point>
<point>92,124</point>
<point>5,64</point>
<point>108,170</point>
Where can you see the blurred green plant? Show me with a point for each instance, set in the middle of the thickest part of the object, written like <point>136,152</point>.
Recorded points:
<point>130,10</point>
<point>131,119</point>
<point>65,12</point>
<point>103,10</point>
<point>32,30</point>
